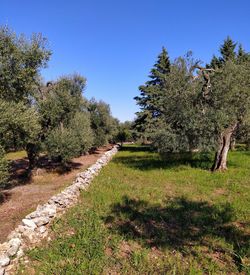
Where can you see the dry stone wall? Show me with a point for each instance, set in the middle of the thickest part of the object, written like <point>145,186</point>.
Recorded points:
<point>34,227</point>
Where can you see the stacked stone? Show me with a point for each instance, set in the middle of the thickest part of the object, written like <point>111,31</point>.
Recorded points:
<point>34,226</point>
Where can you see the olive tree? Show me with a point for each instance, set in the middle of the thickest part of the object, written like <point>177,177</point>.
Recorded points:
<point>65,119</point>
<point>102,122</point>
<point>20,62</point>
<point>230,100</point>
<point>17,122</point>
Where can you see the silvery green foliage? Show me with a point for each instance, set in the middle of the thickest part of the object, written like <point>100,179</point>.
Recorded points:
<point>21,59</point>
<point>61,101</point>
<point>62,144</point>
<point>20,62</point>
<point>65,119</point>
<point>18,122</point>
<point>80,126</point>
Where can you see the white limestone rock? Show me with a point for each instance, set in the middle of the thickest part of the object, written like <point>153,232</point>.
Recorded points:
<point>42,229</point>
<point>4,260</point>
<point>14,246</point>
<point>30,236</point>
<point>32,215</point>
<point>39,221</point>
<point>29,223</point>
<point>47,210</point>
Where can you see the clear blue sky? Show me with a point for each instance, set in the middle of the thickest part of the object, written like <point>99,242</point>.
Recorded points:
<point>114,43</point>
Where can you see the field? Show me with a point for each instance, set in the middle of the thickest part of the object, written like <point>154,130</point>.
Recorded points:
<point>145,215</point>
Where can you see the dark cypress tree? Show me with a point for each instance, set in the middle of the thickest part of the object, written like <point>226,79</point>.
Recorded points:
<point>160,69</point>
<point>227,50</point>
<point>228,53</point>
<point>150,94</point>
<point>242,55</point>
<point>241,51</point>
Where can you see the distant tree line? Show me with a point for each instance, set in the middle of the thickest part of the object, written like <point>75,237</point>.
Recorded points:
<point>185,106</point>
<point>54,118</point>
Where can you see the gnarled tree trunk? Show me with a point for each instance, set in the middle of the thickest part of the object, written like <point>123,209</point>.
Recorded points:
<point>31,150</point>
<point>220,161</point>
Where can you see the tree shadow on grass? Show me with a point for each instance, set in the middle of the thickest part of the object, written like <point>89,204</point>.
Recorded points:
<point>171,160</point>
<point>136,148</point>
<point>180,225</point>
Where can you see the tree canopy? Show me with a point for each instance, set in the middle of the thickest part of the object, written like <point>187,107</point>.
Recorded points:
<point>189,107</point>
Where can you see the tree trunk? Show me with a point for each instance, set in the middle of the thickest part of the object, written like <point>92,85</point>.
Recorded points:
<point>144,140</point>
<point>220,161</point>
<point>31,150</point>
<point>14,142</point>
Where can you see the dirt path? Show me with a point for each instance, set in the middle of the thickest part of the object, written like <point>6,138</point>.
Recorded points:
<point>23,199</point>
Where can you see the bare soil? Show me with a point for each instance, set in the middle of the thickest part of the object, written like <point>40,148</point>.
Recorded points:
<point>27,190</point>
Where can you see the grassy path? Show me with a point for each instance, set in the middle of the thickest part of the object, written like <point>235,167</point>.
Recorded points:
<point>142,215</point>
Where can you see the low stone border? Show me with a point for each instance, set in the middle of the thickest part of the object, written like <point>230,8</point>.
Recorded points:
<point>34,227</point>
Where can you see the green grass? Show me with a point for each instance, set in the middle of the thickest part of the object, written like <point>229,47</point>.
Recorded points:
<point>16,155</point>
<point>143,215</point>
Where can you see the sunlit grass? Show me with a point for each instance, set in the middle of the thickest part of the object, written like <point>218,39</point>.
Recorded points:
<point>143,215</point>
<point>16,155</point>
